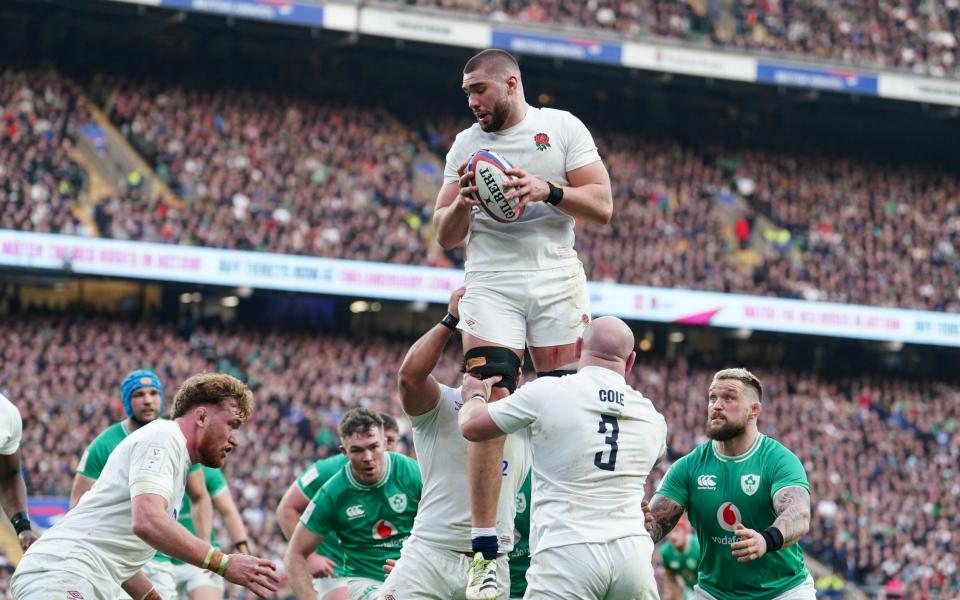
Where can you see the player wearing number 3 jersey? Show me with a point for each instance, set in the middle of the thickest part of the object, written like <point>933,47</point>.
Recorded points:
<point>595,440</point>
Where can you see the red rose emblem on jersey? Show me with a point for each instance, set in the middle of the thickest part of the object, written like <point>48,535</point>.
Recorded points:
<point>542,141</point>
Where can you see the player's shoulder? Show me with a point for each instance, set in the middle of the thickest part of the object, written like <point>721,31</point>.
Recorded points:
<point>466,136</point>
<point>401,464</point>
<point>774,454</point>
<point>110,437</point>
<point>557,115</point>
<point>8,410</point>
<point>698,456</point>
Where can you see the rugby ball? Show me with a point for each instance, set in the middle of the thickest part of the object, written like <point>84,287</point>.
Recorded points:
<point>489,173</point>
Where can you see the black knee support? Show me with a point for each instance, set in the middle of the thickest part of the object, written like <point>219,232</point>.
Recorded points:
<point>487,361</point>
<point>556,373</point>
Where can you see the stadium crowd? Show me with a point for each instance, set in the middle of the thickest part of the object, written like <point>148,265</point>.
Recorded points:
<point>881,453</point>
<point>259,171</point>
<point>917,36</point>
<point>39,181</point>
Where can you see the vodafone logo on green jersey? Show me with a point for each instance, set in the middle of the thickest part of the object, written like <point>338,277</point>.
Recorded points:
<point>383,530</point>
<point>728,515</point>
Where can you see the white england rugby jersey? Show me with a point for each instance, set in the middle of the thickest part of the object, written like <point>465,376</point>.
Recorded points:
<point>443,518</point>
<point>547,143</point>
<point>595,440</point>
<point>95,538</point>
<point>11,427</point>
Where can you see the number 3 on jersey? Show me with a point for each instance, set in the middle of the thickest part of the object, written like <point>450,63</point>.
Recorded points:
<point>611,439</point>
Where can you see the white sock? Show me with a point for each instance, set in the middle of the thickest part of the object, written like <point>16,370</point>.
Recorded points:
<point>476,532</point>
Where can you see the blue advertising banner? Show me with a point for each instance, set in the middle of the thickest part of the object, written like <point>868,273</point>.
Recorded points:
<point>558,46</point>
<point>45,511</point>
<point>280,11</point>
<point>834,80</point>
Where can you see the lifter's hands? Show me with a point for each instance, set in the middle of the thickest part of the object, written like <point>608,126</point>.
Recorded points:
<point>473,386</point>
<point>256,574</point>
<point>454,307</point>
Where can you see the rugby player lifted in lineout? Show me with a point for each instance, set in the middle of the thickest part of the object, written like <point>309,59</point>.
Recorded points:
<point>525,284</point>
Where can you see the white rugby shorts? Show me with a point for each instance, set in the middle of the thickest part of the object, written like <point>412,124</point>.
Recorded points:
<point>190,578</point>
<point>34,579</point>
<point>324,585</point>
<point>363,588</point>
<point>620,569</point>
<point>425,572</point>
<point>162,575</point>
<point>516,309</point>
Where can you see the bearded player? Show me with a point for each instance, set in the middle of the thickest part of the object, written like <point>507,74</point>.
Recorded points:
<point>141,393</point>
<point>104,542</point>
<point>747,497</point>
<point>525,285</point>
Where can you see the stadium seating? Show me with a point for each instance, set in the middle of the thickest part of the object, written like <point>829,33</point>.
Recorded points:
<point>914,36</point>
<point>39,181</point>
<point>259,171</point>
<point>881,453</point>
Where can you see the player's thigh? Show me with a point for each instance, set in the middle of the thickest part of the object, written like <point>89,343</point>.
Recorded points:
<point>162,575</point>
<point>805,591</point>
<point>334,588</point>
<point>559,308</point>
<point>425,573</point>
<point>363,588</point>
<point>493,309</point>
<point>631,560</point>
<point>566,572</point>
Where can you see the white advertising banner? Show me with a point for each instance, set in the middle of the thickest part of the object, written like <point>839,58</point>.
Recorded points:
<point>919,89</point>
<point>423,28</point>
<point>340,17</point>
<point>168,262</point>
<point>686,61</point>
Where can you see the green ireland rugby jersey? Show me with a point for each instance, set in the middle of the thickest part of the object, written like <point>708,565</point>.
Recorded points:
<point>372,521</point>
<point>718,492</point>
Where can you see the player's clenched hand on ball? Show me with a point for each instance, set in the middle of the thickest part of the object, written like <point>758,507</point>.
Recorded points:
<point>751,545</point>
<point>468,190</point>
<point>526,187</point>
<point>256,574</point>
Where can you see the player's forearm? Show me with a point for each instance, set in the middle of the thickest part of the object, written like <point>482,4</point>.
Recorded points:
<point>232,521</point>
<point>592,202</point>
<point>202,515</point>
<point>665,514</point>
<point>299,576</point>
<point>163,533</point>
<point>468,420</point>
<point>287,518</point>
<point>452,223</point>
<point>13,490</point>
<point>792,505</point>
<point>423,356</point>
<point>81,485</point>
